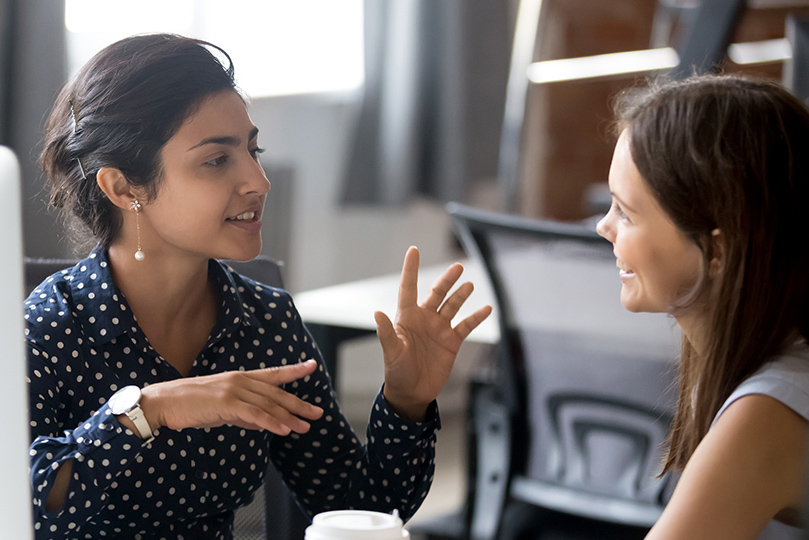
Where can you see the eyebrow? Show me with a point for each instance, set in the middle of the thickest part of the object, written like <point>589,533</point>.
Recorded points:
<point>227,140</point>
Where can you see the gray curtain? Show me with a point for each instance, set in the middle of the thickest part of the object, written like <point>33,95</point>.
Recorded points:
<point>32,70</point>
<point>436,73</point>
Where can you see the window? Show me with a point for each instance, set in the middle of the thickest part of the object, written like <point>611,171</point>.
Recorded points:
<point>278,46</point>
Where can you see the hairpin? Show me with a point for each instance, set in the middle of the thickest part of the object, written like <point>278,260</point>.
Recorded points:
<point>75,123</point>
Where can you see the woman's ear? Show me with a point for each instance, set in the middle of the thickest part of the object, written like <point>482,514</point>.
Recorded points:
<point>116,187</point>
<point>717,253</point>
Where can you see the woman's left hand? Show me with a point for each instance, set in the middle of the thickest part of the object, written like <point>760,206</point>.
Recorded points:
<point>420,346</point>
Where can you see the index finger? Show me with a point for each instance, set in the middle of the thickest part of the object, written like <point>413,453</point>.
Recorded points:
<point>408,287</point>
<point>284,374</point>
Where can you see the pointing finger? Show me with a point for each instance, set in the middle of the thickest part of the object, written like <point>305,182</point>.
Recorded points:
<point>284,374</point>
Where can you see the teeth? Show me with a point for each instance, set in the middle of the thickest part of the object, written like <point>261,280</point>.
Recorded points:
<point>620,264</point>
<point>244,217</point>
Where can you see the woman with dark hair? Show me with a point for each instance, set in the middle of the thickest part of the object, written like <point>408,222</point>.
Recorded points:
<point>161,381</point>
<point>710,186</point>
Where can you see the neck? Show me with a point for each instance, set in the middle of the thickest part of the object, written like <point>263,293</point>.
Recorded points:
<point>163,288</point>
<point>171,297</point>
<point>695,328</point>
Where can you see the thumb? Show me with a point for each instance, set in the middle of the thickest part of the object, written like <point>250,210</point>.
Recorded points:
<point>385,332</point>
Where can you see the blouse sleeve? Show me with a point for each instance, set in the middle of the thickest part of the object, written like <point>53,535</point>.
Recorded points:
<point>97,448</point>
<point>329,468</point>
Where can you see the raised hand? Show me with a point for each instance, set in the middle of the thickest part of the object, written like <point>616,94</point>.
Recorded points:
<point>248,399</point>
<point>420,346</point>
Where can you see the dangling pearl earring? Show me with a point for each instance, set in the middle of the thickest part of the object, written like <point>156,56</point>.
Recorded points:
<point>136,206</point>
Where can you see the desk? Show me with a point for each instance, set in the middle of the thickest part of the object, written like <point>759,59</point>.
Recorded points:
<point>346,311</point>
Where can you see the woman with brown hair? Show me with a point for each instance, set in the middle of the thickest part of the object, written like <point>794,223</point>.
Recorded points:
<point>710,186</point>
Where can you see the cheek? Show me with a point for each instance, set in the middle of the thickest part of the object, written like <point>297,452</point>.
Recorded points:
<point>677,271</point>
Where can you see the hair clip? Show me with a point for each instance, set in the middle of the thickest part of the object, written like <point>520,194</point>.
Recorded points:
<point>75,123</point>
<point>73,114</point>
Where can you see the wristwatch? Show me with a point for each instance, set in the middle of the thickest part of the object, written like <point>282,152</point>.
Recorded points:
<point>127,401</point>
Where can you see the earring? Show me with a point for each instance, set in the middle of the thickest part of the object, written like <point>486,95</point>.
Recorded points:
<point>136,206</point>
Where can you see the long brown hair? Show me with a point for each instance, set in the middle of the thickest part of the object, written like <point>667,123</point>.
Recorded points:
<point>729,153</point>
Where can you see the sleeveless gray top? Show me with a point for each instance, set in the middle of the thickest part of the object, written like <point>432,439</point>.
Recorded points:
<point>786,378</point>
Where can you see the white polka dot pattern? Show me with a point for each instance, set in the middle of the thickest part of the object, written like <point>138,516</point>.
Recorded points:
<point>84,344</point>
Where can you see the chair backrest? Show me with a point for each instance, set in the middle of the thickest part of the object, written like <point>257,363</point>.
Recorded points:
<point>589,385</point>
<point>263,269</point>
<point>36,270</point>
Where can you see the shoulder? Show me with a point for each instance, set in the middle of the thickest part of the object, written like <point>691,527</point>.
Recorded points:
<point>785,379</point>
<point>50,303</point>
<point>746,470</point>
<point>63,298</point>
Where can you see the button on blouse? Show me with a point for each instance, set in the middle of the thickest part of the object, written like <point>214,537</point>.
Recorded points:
<point>84,344</point>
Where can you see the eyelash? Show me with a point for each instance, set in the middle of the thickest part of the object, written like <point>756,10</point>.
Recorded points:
<point>617,208</point>
<point>221,160</point>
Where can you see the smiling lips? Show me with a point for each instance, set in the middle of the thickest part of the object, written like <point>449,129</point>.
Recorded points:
<point>625,272</point>
<point>246,216</point>
<point>249,221</point>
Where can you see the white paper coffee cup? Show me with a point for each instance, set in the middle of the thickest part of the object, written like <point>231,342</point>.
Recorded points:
<point>356,525</point>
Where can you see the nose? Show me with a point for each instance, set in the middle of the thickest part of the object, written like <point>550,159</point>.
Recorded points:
<point>604,227</point>
<point>255,180</point>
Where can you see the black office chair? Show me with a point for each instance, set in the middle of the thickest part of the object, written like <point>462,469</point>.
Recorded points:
<point>568,431</point>
<point>36,270</point>
<point>273,514</point>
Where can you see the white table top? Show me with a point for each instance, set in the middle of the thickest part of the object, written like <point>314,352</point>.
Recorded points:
<point>353,304</point>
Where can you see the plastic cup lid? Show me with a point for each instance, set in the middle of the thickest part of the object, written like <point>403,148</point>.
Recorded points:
<point>356,524</point>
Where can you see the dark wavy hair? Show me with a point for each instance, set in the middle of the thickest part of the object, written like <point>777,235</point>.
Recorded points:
<point>729,153</point>
<point>119,111</point>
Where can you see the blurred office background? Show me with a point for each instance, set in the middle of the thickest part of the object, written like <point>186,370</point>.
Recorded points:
<point>374,114</point>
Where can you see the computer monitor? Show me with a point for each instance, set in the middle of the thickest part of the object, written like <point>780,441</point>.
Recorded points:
<point>15,495</point>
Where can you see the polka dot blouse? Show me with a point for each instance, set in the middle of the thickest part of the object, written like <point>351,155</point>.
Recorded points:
<point>84,344</point>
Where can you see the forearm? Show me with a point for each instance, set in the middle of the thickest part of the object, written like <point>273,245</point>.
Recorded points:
<point>56,497</point>
<point>329,468</point>
<point>69,474</point>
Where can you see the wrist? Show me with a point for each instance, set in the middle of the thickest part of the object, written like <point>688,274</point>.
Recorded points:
<point>149,403</point>
<point>125,404</point>
<point>406,407</point>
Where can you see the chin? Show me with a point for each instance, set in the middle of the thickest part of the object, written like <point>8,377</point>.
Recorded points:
<point>632,305</point>
<point>244,253</point>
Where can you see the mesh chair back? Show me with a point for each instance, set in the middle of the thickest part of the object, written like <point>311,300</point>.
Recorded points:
<point>589,385</point>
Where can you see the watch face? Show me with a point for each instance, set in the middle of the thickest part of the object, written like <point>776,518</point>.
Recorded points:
<point>124,399</point>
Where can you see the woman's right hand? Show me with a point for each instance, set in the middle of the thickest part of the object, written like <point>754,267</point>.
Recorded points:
<point>248,399</point>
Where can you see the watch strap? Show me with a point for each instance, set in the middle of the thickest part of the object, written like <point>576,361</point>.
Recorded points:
<point>142,425</point>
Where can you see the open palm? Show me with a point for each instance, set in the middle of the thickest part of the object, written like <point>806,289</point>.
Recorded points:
<point>420,346</point>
